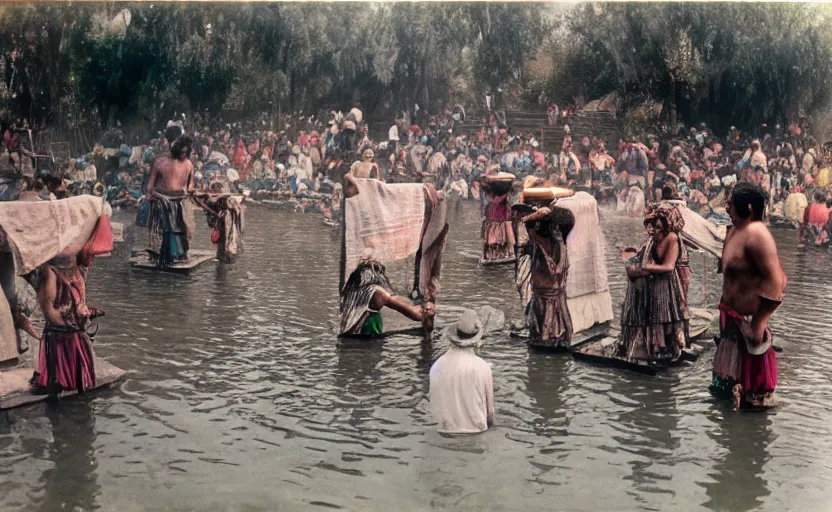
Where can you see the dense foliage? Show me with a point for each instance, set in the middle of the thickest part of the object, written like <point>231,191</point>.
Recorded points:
<point>725,63</point>
<point>88,65</point>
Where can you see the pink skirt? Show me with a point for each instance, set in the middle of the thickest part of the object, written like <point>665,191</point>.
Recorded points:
<point>65,359</point>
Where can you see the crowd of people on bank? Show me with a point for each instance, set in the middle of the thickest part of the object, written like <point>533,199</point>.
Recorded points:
<point>301,165</point>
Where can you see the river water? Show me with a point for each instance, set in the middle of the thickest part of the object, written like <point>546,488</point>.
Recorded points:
<point>239,397</point>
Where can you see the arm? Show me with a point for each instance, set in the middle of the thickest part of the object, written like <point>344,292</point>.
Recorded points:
<point>46,297</point>
<point>191,185</point>
<point>763,253</point>
<point>350,186</point>
<point>669,253</point>
<point>489,397</point>
<point>400,304</point>
<point>151,183</point>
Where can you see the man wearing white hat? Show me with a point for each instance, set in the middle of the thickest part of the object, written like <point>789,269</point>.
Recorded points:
<point>461,384</point>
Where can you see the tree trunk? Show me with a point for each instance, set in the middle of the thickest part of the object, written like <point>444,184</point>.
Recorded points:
<point>673,112</point>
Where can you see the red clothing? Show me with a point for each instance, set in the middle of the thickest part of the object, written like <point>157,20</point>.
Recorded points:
<point>66,358</point>
<point>12,140</point>
<point>818,214</point>
<point>239,155</point>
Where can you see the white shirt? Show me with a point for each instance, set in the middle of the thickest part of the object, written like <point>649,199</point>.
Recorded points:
<point>393,133</point>
<point>301,174</point>
<point>461,392</point>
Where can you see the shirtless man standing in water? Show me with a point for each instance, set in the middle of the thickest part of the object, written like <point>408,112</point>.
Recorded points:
<point>745,366</point>
<point>171,215</point>
<point>175,174</point>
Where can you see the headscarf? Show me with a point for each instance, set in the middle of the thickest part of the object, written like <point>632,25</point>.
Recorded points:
<point>668,216</point>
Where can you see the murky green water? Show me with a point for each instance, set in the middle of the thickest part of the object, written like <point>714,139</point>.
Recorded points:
<point>239,398</point>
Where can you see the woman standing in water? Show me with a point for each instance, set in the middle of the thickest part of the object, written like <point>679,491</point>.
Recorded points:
<point>66,358</point>
<point>654,318</point>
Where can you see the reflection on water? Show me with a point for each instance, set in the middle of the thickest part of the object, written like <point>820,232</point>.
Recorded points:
<point>239,396</point>
<point>738,481</point>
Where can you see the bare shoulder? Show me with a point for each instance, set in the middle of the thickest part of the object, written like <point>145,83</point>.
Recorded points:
<point>160,163</point>
<point>758,233</point>
<point>758,240</point>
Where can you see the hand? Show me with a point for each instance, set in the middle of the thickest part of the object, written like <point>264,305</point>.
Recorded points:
<point>428,310</point>
<point>758,331</point>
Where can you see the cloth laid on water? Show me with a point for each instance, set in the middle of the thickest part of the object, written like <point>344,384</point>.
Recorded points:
<point>587,289</point>
<point>40,230</point>
<point>738,372</point>
<point>171,226</point>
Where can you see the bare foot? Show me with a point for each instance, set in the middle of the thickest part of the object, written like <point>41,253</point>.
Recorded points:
<point>737,392</point>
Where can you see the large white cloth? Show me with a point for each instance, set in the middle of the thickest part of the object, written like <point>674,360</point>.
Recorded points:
<point>700,233</point>
<point>383,222</point>
<point>38,231</point>
<point>587,287</point>
<point>461,392</point>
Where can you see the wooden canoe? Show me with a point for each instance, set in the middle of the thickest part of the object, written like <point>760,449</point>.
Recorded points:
<point>501,261</point>
<point>15,389</point>
<point>196,258</point>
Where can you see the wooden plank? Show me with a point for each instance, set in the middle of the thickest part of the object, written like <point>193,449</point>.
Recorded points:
<point>15,389</point>
<point>196,258</point>
<point>615,362</point>
<point>502,261</point>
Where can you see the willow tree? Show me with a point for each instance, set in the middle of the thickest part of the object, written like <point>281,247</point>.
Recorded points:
<point>725,63</point>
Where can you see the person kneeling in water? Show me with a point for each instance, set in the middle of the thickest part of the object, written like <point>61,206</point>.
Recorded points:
<point>366,292</point>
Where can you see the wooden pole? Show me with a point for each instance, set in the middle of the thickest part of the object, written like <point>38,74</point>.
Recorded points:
<point>704,278</point>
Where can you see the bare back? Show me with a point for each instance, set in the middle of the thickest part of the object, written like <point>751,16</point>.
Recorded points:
<point>169,175</point>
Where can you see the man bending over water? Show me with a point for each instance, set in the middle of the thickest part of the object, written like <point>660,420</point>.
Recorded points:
<point>171,218</point>
<point>367,290</point>
<point>745,366</point>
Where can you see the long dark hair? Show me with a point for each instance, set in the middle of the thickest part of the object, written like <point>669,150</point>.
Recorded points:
<point>181,149</point>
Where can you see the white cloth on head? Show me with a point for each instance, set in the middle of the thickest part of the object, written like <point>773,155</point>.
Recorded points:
<point>461,392</point>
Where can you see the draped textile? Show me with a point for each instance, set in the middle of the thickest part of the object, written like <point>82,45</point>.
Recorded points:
<point>384,222</point>
<point>38,231</point>
<point>587,289</point>
<point>698,232</point>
